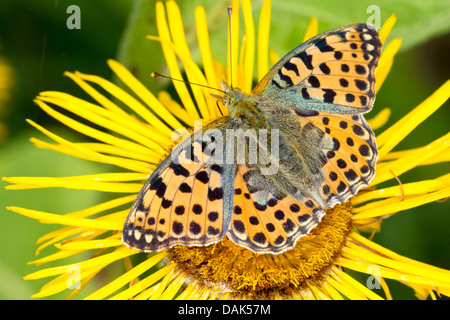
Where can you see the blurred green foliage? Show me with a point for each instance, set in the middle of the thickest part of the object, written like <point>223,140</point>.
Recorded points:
<point>35,40</point>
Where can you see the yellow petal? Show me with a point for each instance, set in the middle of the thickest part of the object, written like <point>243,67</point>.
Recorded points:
<point>91,244</point>
<point>397,132</point>
<point>386,28</point>
<point>65,281</point>
<point>172,64</point>
<point>442,157</point>
<point>124,163</point>
<point>361,259</point>
<point>101,99</point>
<point>387,207</point>
<point>179,41</point>
<point>98,148</point>
<point>351,282</point>
<point>66,220</point>
<point>143,93</point>
<point>263,39</point>
<point>94,133</point>
<point>160,287</point>
<point>56,236</point>
<point>195,76</point>
<point>407,189</point>
<point>386,62</point>
<point>126,277</point>
<point>274,57</point>
<point>385,171</point>
<point>250,46</point>
<point>98,261</point>
<point>348,291</point>
<point>130,102</point>
<point>142,285</point>
<point>204,46</point>
<point>233,43</point>
<point>380,119</point>
<point>173,106</point>
<point>71,183</point>
<point>312,30</point>
<point>174,287</point>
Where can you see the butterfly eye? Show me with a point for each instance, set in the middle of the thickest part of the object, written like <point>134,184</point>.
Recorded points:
<point>227,101</point>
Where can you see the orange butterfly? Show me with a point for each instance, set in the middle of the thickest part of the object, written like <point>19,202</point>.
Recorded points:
<point>313,98</point>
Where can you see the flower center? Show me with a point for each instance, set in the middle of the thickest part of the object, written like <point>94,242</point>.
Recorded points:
<point>230,267</point>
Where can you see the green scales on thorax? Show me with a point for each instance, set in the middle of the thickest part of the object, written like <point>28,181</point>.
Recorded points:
<point>277,133</point>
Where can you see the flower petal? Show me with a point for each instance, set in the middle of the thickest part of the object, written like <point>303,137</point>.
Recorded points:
<point>386,28</point>
<point>312,30</point>
<point>172,64</point>
<point>386,62</point>
<point>126,277</point>
<point>389,206</point>
<point>143,93</point>
<point>249,57</point>
<point>385,170</point>
<point>124,163</point>
<point>98,223</point>
<point>398,131</point>
<point>263,39</point>
<point>380,119</point>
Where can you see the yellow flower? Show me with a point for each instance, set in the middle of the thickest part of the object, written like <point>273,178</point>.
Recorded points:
<point>138,136</point>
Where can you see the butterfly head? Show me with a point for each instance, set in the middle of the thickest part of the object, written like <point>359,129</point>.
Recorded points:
<point>237,102</point>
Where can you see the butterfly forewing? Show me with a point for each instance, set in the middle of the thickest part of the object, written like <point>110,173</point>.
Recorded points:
<point>183,202</point>
<point>334,71</point>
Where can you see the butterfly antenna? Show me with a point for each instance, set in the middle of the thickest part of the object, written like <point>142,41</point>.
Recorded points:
<point>218,107</point>
<point>230,11</point>
<point>158,75</point>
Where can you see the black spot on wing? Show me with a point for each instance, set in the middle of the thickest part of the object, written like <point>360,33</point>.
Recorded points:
<point>306,113</point>
<point>291,67</point>
<point>323,46</point>
<point>178,170</point>
<point>329,95</point>
<point>306,59</point>
<point>285,78</point>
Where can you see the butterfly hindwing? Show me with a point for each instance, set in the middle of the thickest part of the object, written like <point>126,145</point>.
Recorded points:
<point>183,202</point>
<point>349,148</point>
<point>332,72</point>
<point>268,221</point>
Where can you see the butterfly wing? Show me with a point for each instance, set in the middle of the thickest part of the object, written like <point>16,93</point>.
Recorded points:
<point>347,148</point>
<point>324,160</point>
<point>266,220</point>
<point>332,72</point>
<point>323,87</point>
<point>315,95</point>
<point>186,201</point>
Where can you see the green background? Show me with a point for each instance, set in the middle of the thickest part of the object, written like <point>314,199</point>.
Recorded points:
<point>38,45</point>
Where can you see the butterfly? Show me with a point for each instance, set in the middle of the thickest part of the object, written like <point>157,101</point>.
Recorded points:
<point>314,98</point>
